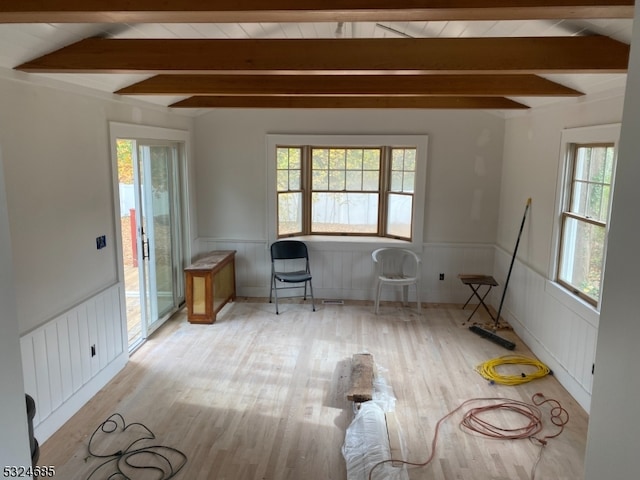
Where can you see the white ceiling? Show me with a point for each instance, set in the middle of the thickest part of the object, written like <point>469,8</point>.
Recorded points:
<point>20,43</point>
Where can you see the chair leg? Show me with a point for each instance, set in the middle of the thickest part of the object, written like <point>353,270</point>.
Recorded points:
<point>275,294</point>
<point>273,284</point>
<point>418,297</point>
<point>377,303</point>
<point>313,302</point>
<point>405,295</point>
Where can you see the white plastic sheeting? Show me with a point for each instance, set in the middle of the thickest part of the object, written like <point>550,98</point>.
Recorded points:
<point>366,441</point>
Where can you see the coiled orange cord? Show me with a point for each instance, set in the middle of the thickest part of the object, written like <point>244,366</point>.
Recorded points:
<point>473,422</point>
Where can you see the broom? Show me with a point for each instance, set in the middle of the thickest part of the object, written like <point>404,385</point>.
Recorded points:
<point>491,336</point>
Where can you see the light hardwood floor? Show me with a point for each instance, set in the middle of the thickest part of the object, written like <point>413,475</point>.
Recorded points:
<point>257,396</point>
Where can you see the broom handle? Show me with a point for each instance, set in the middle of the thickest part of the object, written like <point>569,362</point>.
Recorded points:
<point>513,258</point>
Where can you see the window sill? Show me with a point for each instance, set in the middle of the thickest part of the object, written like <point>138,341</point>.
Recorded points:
<point>317,241</point>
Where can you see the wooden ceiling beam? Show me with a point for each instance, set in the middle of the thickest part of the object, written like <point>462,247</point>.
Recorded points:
<point>193,11</point>
<point>406,102</point>
<point>511,55</point>
<point>390,85</point>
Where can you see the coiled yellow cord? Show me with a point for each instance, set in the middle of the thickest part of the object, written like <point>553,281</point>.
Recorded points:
<point>488,370</point>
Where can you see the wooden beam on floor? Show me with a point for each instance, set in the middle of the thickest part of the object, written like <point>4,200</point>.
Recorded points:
<point>589,54</point>
<point>362,375</point>
<point>390,85</point>
<point>197,11</point>
<point>254,101</point>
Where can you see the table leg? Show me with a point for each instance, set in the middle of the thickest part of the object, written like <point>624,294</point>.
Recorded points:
<point>475,293</point>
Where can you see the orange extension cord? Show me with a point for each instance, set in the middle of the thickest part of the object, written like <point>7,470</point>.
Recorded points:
<point>473,422</point>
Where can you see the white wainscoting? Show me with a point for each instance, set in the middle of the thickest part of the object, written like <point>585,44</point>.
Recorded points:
<point>560,330</point>
<point>59,370</point>
<point>344,270</point>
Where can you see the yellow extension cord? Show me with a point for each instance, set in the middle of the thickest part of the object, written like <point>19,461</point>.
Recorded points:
<point>489,371</point>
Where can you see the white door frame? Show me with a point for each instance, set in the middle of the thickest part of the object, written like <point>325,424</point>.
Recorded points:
<point>119,130</point>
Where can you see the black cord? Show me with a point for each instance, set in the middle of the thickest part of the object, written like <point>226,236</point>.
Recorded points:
<point>167,461</point>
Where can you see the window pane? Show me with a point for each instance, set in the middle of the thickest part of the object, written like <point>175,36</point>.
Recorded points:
<point>347,185</point>
<point>354,159</point>
<point>295,158</point>
<point>403,165</point>
<point>408,182</point>
<point>337,159</point>
<point>320,180</point>
<point>337,180</point>
<point>606,192</point>
<point>594,205</point>
<point>410,159</point>
<point>320,158</point>
<point>282,158</point>
<point>288,157</point>
<point>593,173</point>
<point>289,213</point>
<point>283,180</point>
<point>354,179</point>
<point>396,181</point>
<point>399,215</point>
<point>608,170</point>
<point>581,259</point>
<point>371,159</point>
<point>289,168</point>
<point>295,180</point>
<point>397,159</point>
<point>597,164</point>
<point>344,213</point>
<point>371,180</point>
<point>583,155</point>
<point>579,198</point>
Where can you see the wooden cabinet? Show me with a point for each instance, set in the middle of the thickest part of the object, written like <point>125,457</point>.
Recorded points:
<point>210,284</point>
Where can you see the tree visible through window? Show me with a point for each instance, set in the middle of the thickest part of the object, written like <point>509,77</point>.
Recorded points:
<point>345,190</point>
<point>584,220</point>
<point>289,179</point>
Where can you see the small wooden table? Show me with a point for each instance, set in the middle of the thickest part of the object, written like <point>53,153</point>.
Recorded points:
<point>475,282</point>
<point>210,284</point>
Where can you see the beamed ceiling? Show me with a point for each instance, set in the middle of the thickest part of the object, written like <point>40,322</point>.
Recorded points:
<point>190,54</point>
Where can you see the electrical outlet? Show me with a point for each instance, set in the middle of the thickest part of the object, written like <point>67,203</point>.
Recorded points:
<point>442,276</point>
<point>101,241</point>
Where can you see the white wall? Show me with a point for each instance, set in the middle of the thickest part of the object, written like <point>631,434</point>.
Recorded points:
<point>613,441</point>
<point>460,220</point>
<point>59,192</point>
<point>463,171</point>
<point>530,170</point>
<point>66,295</point>
<point>560,329</point>
<point>14,441</point>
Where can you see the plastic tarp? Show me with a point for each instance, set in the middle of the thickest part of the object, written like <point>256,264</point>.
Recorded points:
<point>366,441</point>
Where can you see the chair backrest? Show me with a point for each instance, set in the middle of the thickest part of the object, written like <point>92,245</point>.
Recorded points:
<point>396,261</point>
<point>288,249</point>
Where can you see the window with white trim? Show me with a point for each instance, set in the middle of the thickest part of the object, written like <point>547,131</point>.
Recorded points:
<point>347,187</point>
<point>584,217</point>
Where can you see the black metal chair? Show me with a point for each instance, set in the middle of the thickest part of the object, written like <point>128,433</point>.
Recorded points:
<point>290,265</point>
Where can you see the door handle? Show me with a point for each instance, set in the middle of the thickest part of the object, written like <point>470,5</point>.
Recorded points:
<point>145,245</point>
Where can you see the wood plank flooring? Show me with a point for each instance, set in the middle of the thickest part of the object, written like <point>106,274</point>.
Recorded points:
<point>259,396</point>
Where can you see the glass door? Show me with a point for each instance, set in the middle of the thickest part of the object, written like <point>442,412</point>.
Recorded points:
<point>159,225</point>
<point>151,231</point>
